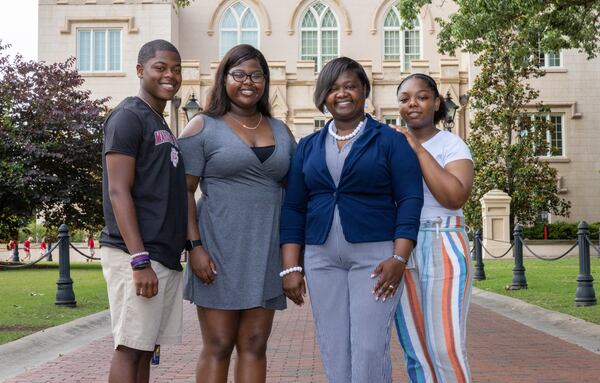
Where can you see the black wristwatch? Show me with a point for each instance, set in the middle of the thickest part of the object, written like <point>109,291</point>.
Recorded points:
<point>189,245</point>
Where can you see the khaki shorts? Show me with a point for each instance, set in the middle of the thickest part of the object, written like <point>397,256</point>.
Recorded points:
<point>138,322</point>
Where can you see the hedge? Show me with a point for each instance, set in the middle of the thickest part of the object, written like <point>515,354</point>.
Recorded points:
<point>558,230</point>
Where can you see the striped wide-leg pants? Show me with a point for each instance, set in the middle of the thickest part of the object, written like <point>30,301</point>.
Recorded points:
<point>432,315</point>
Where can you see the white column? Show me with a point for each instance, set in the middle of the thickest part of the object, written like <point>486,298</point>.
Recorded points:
<point>495,210</point>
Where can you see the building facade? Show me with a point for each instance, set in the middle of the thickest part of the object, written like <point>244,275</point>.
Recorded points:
<point>297,37</point>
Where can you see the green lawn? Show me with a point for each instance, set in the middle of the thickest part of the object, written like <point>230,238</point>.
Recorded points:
<point>551,284</point>
<point>28,297</point>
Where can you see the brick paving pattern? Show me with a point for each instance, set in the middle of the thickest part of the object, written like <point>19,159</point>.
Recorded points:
<point>500,350</point>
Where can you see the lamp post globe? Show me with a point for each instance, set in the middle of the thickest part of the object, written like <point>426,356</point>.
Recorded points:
<point>191,107</point>
<point>452,108</point>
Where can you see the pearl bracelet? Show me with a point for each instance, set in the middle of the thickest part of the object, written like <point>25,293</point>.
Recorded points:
<point>290,270</point>
<point>400,259</point>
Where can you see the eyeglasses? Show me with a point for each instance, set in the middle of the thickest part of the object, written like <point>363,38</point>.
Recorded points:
<point>256,77</point>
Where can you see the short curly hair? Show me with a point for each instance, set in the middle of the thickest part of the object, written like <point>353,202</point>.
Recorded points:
<point>148,50</point>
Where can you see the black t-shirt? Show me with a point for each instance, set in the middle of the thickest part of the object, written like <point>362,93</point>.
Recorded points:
<point>159,190</point>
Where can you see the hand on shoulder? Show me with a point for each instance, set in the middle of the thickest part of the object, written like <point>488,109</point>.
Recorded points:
<point>412,140</point>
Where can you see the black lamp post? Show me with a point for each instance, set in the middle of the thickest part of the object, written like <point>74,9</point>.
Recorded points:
<point>452,108</point>
<point>191,107</point>
<point>176,101</point>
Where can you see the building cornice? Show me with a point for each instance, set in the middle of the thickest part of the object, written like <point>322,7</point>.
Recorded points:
<point>572,105</point>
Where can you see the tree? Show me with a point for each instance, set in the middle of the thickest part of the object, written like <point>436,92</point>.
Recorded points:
<point>183,3</point>
<point>50,145</point>
<point>505,138</point>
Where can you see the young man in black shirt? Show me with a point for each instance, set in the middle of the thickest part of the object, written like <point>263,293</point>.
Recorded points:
<point>145,212</point>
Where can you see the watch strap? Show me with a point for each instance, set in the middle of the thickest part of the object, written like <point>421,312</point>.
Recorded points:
<point>190,244</point>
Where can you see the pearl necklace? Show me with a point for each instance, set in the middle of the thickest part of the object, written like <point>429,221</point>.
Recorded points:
<point>246,126</point>
<point>152,109</point>
<point>347,136</point>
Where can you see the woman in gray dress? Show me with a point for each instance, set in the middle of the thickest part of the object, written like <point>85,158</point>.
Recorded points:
<point>239,155</point>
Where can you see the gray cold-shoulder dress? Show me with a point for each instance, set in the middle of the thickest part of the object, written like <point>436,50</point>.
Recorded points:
<point>238,216</point>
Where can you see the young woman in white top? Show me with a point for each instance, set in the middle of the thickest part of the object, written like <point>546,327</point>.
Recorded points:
<point>431,316</point>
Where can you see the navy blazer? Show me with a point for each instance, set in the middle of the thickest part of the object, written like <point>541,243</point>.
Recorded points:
<point>379,196</point>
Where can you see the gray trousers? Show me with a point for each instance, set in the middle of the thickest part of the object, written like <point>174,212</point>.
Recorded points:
<point>353,328</point>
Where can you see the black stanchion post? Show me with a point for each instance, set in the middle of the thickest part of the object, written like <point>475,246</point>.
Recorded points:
<point>597,252</point>
<point>519,281</point>
<point>49,257</point>
<point>585,295</point>
<point>64,294</point>
<point>479,273</point>
<point>15,254</point>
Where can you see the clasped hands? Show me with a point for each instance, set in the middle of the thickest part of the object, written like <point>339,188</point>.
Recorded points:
<point>390,272</point>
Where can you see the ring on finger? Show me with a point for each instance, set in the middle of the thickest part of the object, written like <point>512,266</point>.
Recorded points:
<point>391,287</point>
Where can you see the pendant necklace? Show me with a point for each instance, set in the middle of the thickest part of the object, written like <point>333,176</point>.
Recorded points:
<point>246,126</point>
<point>152,109</point>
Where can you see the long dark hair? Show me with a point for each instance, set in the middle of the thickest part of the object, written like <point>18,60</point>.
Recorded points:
<point>217,102</point>
<point>329,75</point>
<point>439,114</point>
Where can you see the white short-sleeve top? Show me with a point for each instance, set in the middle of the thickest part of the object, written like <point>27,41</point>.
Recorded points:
<point>445,147</point>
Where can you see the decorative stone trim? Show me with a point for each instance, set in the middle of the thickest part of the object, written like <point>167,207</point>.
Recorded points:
<point>337,6</point>
<point>385,5</point>
<point>69,21</point>
<point>257,7</point>
<point>103,74</point>
<point>575,115</point>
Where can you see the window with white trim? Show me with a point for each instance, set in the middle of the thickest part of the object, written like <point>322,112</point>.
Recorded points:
<point>555,143</point>
<point>238,26</point>
<point>319,123</point>
<point>550,60</point>
<point>394,120</point>
<point>99,50</point>
<point>319,35</point>
<point>400,44</point>
<point>555,135</point>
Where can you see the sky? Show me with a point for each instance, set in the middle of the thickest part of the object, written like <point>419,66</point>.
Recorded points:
<point>18,26</point>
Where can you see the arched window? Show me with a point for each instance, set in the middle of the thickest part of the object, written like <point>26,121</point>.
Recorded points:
<point>238,26</point>
<point>319,35</point>
<point>398,43</point>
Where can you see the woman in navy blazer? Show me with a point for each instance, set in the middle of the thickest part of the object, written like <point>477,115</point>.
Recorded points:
<point>354,198</point>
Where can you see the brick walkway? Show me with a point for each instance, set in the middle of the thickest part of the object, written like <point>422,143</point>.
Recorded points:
<point>500,349</point>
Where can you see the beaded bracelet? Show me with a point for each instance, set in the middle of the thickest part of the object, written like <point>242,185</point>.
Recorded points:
<point>290,270</point>
<point>138,254</point>
<point>400,259</point>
